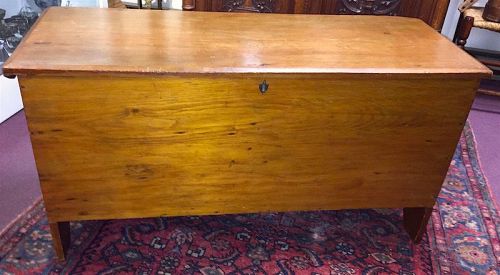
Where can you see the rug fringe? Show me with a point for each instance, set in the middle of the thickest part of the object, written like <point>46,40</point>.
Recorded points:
<point>478,157</point>
<point>21,215</point>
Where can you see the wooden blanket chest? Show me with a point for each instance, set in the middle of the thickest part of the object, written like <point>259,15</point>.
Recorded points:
<point>150,113</point>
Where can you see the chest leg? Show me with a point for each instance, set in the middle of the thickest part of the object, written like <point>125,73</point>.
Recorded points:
<point>415,221</point>
<point>61,238</point>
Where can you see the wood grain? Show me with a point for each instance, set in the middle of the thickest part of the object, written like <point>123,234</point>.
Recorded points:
<point>127,122</point>
<point>114,41</point>
<point>165,146</point>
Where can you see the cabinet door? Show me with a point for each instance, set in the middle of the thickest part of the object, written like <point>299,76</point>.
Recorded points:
<point>269,6</point>
<point>432,12</point>
<point>371,7</point>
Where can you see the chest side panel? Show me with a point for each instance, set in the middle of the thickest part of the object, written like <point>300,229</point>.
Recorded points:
<point>134,147</point>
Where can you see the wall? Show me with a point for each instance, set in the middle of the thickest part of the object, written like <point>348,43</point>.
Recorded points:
<point>176,4</point>
<point>10,97</point>
<point>479,38</point>
<point>85,3</point>
<point>12,7</point>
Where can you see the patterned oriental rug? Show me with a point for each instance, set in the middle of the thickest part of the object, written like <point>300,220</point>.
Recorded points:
<point>462,238</point>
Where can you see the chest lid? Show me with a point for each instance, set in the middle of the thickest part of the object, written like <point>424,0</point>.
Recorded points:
<point>137,42</point>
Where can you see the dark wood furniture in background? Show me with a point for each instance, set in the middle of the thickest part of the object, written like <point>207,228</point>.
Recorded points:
<point>117,4</point>
<point>432,12</point>
<point>492,11</point>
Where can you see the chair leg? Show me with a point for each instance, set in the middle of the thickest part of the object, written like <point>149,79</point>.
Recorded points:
<point>60,238</point>
<point>464,28</point>
<point>415,221</point>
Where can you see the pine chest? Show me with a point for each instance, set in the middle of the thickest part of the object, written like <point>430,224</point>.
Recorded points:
<point>149,113</point>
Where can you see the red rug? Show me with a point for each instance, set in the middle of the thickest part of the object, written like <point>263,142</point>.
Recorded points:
<point>462,238</point>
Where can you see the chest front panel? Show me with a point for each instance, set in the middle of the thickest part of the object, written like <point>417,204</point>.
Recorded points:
<point>121,147</point>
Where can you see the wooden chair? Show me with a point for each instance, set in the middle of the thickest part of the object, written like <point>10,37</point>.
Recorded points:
<point>472,18</point>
